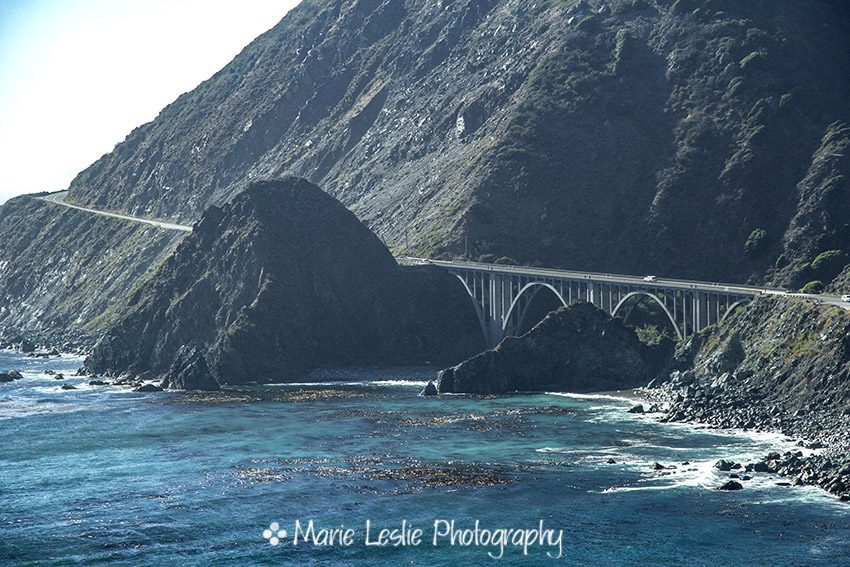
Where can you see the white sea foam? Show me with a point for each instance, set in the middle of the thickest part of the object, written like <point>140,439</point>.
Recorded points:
<point>388,383</point>
<point>595,397</point>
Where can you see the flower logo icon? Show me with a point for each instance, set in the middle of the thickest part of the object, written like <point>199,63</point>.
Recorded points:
<point>274,534</point>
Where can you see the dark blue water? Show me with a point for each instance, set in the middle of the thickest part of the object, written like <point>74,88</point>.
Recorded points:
<point>102,475</point>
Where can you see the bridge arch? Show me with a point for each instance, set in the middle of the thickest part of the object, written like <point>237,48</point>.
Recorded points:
<point>534,287</point>
<point>479,311</point>
<point>657,300</point>
<point>734,306</point>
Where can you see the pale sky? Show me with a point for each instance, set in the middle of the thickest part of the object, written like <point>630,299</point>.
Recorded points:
<point>76,76</point>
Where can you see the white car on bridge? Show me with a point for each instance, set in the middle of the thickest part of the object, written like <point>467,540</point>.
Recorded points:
<point>649,278</point>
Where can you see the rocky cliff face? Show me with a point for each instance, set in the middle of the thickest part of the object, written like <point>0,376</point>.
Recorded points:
<point>64,274</point>
<point>574,349</point>
<point>787,356</point>
<point>281,280</point>
<point>614,135</point>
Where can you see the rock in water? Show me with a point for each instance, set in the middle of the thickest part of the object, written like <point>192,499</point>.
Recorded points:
<point>68,387</point>
<point>281,280</point>
<point>10,376</point>
<point>429,390</point>
<point>730,485</point>
<point>148,388</point>
<point>636,409</point>
<point>579,348</point>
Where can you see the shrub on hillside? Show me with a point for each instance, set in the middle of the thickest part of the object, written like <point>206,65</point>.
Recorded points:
<point>756,242</point>
<point>814,286</point>
<point>829,264</point>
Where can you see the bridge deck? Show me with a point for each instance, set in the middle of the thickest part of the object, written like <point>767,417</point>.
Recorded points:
<point>502,294</point>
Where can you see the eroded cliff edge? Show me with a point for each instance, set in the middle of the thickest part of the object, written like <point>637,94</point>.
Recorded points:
<point>281,280</point>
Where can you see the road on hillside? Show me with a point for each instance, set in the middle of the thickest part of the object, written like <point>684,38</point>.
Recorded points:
<point>59,199</point>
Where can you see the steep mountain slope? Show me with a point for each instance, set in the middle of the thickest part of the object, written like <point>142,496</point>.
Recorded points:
<point>631,135</point>
<point>281,280</point>
<point>64,274</point>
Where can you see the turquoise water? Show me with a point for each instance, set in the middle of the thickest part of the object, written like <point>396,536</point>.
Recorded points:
<point>103,475</point>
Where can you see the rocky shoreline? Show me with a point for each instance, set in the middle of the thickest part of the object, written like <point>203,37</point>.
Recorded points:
<point>775,366</point>
<point>824,434</point>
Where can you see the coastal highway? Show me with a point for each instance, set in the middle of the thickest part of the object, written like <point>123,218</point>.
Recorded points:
<point>620,279</point>
<point>59,199</point>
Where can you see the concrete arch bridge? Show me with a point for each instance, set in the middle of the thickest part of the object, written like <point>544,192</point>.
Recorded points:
<point>502,295</point>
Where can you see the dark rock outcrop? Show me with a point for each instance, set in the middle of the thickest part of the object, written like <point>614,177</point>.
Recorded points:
<point>10,376</point>
<point>190,372</point>
<point>577,349</point>
<point>282,280</point>
<point>430,389</point>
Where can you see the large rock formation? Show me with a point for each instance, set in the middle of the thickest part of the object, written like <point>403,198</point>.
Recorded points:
<point>281,280</point>
<point>574,349</point>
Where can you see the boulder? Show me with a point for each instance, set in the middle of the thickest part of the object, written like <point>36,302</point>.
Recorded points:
<point>429,390</point>
<point>730,485</point>
<point>10,375</point>
<point>148,388</point>
<point>98,383</point>
<point>68,387</point>
<point>636,409</point>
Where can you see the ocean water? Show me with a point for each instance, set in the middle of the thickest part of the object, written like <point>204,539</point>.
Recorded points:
<point>101,475</point>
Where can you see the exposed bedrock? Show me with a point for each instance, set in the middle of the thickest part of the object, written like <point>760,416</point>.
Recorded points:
<point>578,348</point>
<point>281,280</point>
